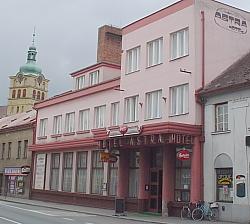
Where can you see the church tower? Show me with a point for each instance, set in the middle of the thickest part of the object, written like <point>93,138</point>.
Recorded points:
<point>28,86</point>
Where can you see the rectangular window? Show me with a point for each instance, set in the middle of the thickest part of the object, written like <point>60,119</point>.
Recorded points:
<point>43,127</point>
<point>131,109</point>
<point>224,184</point>
<point>113,174</point>
<point>57,125</point>
<point>25,149</point>
<point>84,120</point>
<point>94,78</point>
<point>115,114</point>
<point>80,82</point>
<point>3,150</point>
<point>221,117</point>
<point>97,173</point>
<point>67,171</point>
<point>9,150</point>
<point>19,148</point>
<point>179,100</point>
<point>70,122</point>
<point>132,60</point>
<point>81,173</point>
<point>182,179</point>
<point>99,113</point>
<point>153,104</point>
<point>133,174</point>
<point>179,44</point>
<point>154,52</point>
<point>54,176</point>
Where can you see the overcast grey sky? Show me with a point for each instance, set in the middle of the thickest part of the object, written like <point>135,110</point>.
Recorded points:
<point>66,33</point>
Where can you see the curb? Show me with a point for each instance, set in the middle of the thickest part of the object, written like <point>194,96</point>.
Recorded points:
<point>86,212</point>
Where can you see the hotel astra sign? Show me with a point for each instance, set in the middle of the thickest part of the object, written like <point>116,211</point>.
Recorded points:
<point>231,21</point>
<point>145,140</point>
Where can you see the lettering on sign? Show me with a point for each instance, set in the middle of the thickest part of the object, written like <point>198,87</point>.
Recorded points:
<point>155,139</point>
<point>231,21</point>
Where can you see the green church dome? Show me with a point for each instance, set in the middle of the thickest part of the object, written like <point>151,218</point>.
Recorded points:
<point>30,67</point>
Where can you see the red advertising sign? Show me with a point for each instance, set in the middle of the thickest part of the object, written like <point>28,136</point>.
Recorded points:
<point>183,155</point>
<point>123,129</point>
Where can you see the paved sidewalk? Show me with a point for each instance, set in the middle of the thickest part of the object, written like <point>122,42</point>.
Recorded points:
<point>144,218</point>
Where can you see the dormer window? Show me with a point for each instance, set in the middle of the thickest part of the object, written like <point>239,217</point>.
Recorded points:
<point>94,78</point>
<point>80,82</point>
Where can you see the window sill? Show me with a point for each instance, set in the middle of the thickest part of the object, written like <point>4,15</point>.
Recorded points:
<point>128,73</point>
<point>56,136</point>
<point>68,133</point>
<point>154,118</point>
<point>131,122</point>
<point>220,132</point>
<point>41,137</point>
<point>176,115</point>
<point>82,132</point>
<point>115,127</point>
<point>174,59</point>
<point>151,66</point>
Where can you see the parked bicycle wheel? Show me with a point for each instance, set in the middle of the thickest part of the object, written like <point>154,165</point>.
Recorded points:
<point>212,214</point>
<point>197,214</point>
<point>185,213</point>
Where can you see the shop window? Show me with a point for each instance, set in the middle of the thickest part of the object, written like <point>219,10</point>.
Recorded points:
<point>19,148</point>
<point>13,94</point>
<point>113,172</point>
<point>224,184</point>
<point>9,150</point>
<point>97,173</point>
<point>133,173</point>
<point>182,179</point>
<point>38,95</point>
<point>25,148</point>
<point>54,175</point>
<point>221,117</point>
<point>34,95</point>
<point>24,92</point>
<point>3,150</point>
<point>67,171</point>
<point>81,173</point>
<point>19,93</point>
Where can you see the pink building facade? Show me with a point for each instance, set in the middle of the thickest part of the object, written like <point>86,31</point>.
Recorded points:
<point>146,113</point>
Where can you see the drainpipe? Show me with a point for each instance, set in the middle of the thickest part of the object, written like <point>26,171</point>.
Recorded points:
<point>202,103</point>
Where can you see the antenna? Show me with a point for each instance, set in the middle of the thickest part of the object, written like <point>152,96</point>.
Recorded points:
<point>33,36</point>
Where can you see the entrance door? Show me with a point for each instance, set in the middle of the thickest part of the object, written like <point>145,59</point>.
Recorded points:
<point>155,198</point>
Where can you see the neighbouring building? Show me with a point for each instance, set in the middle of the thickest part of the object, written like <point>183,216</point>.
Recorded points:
<point>150,117</point>
<point>227,135</point>
<point>28,86</point>
<point>16,134</point>
<point>3,111</point>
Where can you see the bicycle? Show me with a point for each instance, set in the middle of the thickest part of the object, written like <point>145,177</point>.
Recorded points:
<point>186,211</point>
<point>208,210</point>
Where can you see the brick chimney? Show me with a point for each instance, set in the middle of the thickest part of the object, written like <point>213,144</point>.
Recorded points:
<point>109,44</point>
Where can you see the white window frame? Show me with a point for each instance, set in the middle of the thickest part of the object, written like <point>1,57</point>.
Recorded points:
<point>133,60</point>
<point>80,82</point>
<point>153,104</point>
<point>84,120</point>
<point>57,125</point>
<point>94,78</point>
<point>43,127</point>
<point>221,117</point>
<point>179,42</point>
<point>70,122</point>
<point>154,52</point>
<point>115,113</point>
<point>131,109</point>
<point>99,116</point>
<point>179,100</point>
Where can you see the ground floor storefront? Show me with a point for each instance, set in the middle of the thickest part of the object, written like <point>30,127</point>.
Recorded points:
<point>155,171</point>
